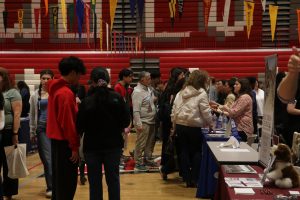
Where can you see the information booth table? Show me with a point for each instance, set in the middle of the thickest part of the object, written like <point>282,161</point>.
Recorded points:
<point>209,167</point>
<point>266,193</point>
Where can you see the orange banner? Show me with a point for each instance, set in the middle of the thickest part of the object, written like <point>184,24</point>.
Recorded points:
<point>273,11</point>
<point>298,12</point>
<point>206,7</point>
<point>249,9</point>
<point>46,7</point>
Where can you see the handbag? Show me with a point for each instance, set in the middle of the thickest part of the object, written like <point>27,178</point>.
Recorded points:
<point>16,161</point>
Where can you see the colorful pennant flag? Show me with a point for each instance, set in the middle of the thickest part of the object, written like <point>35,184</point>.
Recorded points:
<point>298,13</point>
<point>273,11</point>
<point>55,17</point>
<point>80,14</point>
<point>107,36</point>
<point>101,35</point>
<point>5,16</point>
<point>46,7</point>
<point>263,3</point>
<point>64,13</point>
<point>172,9</point>
<point>20,19</point>
<point>112,8</point>
<point>140,4</point>
<point>87,26</point>
<point>249,9</point>
<point>71,16</point>
<point>132,7</point>
<point>180,8</point>
<point>206,7</point>
<point>36,19</point>
<point>93,5</point>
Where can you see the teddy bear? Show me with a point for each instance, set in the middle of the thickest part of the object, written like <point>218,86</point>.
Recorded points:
<point>283,173</point>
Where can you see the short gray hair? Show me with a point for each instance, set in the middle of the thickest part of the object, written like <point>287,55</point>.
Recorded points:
<point>143,74</point>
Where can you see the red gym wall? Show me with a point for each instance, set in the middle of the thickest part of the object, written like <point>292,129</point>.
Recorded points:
<point>155,32</point>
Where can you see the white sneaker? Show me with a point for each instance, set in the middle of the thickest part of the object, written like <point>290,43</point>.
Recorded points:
<point>49,194</point>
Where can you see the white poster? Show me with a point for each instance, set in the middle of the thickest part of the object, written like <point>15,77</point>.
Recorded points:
<point>268,119</point>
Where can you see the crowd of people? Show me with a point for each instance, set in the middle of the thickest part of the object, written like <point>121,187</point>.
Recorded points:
<point>62,113</point>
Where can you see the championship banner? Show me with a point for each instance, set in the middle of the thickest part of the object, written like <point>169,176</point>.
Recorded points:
<point>107,37</point>
<point>20,19</point>
<point>298,12</point>
<point>64,13</point>
<point>180,8</point>
<point>140,5</point>
<point>5,15</point>
<point>36,19</point>
<point>87,24</point>
<point>46,7</point>
<point>206,7</point>
<point>55,17</point>
<point>112,8</point>
<point>80,14</point>
<point>273,11</point>
<point>172,9</point>
<point>268,119</point>
<point>263,3</point>
<point>249,9</point>
<point>71,16</point>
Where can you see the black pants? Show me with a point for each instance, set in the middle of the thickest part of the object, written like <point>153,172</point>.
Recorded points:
<point>190,141</point>
<point>9,186</point>
<point>243,136</point>
<point>64,172</point>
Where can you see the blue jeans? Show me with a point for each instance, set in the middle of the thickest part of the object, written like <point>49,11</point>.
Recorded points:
<point>111,161</point>
<point>44,148</point>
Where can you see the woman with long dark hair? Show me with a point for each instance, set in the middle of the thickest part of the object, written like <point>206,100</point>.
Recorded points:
<point>38,123</point>
<point>102,117</point>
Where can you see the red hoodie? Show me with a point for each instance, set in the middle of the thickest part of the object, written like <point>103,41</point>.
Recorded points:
<point>62,112</point>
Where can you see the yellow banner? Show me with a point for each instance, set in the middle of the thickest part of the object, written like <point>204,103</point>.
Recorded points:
<point>273,10</point>
<point>64,13</point>
<point>249,9</point>
<point>20,19</point>
<point>172,4</point>
<point>298,12</point>
<point>112,8</point>
<point>101,35</point>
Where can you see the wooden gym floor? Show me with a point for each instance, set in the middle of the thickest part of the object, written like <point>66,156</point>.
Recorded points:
<point>133,186</point>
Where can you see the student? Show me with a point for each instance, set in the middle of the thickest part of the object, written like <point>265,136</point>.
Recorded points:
<point>38,122</point>
<point>102,117</point>
<point>61,129</point>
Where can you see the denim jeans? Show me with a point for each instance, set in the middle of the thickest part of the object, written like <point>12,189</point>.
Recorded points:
<point>44,148</point>
<point>111,161</point>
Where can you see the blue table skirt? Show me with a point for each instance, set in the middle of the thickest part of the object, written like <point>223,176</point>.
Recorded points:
<point>208,177</point>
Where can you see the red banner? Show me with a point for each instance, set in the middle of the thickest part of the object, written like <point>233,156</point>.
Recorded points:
<point>36,19</point>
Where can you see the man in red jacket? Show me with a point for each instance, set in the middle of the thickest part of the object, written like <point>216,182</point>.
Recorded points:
<point>61,128</point>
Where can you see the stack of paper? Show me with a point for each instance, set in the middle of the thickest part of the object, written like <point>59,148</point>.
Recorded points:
<point>248,191</point>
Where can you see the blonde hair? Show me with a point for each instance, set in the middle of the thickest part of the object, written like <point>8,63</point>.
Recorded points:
<point>197,79</point>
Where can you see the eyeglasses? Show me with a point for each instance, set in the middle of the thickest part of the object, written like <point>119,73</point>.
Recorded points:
<point>266,191</point>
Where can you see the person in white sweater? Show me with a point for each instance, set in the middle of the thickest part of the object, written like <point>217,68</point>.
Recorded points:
<point>190,113</point>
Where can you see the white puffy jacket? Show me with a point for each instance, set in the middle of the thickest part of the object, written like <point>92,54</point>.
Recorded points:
<point>191,108</point>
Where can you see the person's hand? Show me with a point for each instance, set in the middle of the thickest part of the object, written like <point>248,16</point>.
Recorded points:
<point>294,61</point>
<point>75,157</point>
<point>127,130</point>
<point>15,139</point>
<point>214,105</point>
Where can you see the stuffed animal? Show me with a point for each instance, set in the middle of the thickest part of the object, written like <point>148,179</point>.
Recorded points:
<point>283,173</point>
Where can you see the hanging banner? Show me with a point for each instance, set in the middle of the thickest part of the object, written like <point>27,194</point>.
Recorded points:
<point>71,16</point>
<point>80,14</point>
<point>140,4</point>
<point>93,5</point>
<point>249,9</point>
<point>101,34</point>
<point>5,16</point>
<point>46,7</point>
<point>180,8</point>
<point>112,8</point>
<point>132,7</point>
<point>172,9</point>
<point>115,41</point>
<point>95,30</point>
<point>263,3</point>
<point>298,12</point>
<point>64,13</point>
<point>20,19</point>
<point>273,11</point>
<point>36,19</point>
<point>206,7</point>
<point>136,43</point>
<point>87,24</point>
<point>140,43</point>
<point>55,18</point>
<point>268,119</point>
<point>107,36</point>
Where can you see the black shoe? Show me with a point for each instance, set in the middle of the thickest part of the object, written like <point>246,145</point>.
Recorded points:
<point>82,180</point>
<point>163,175</point>
<point>191,184</point>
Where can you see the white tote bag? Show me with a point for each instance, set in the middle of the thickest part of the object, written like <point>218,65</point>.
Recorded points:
<point>16,161</point>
